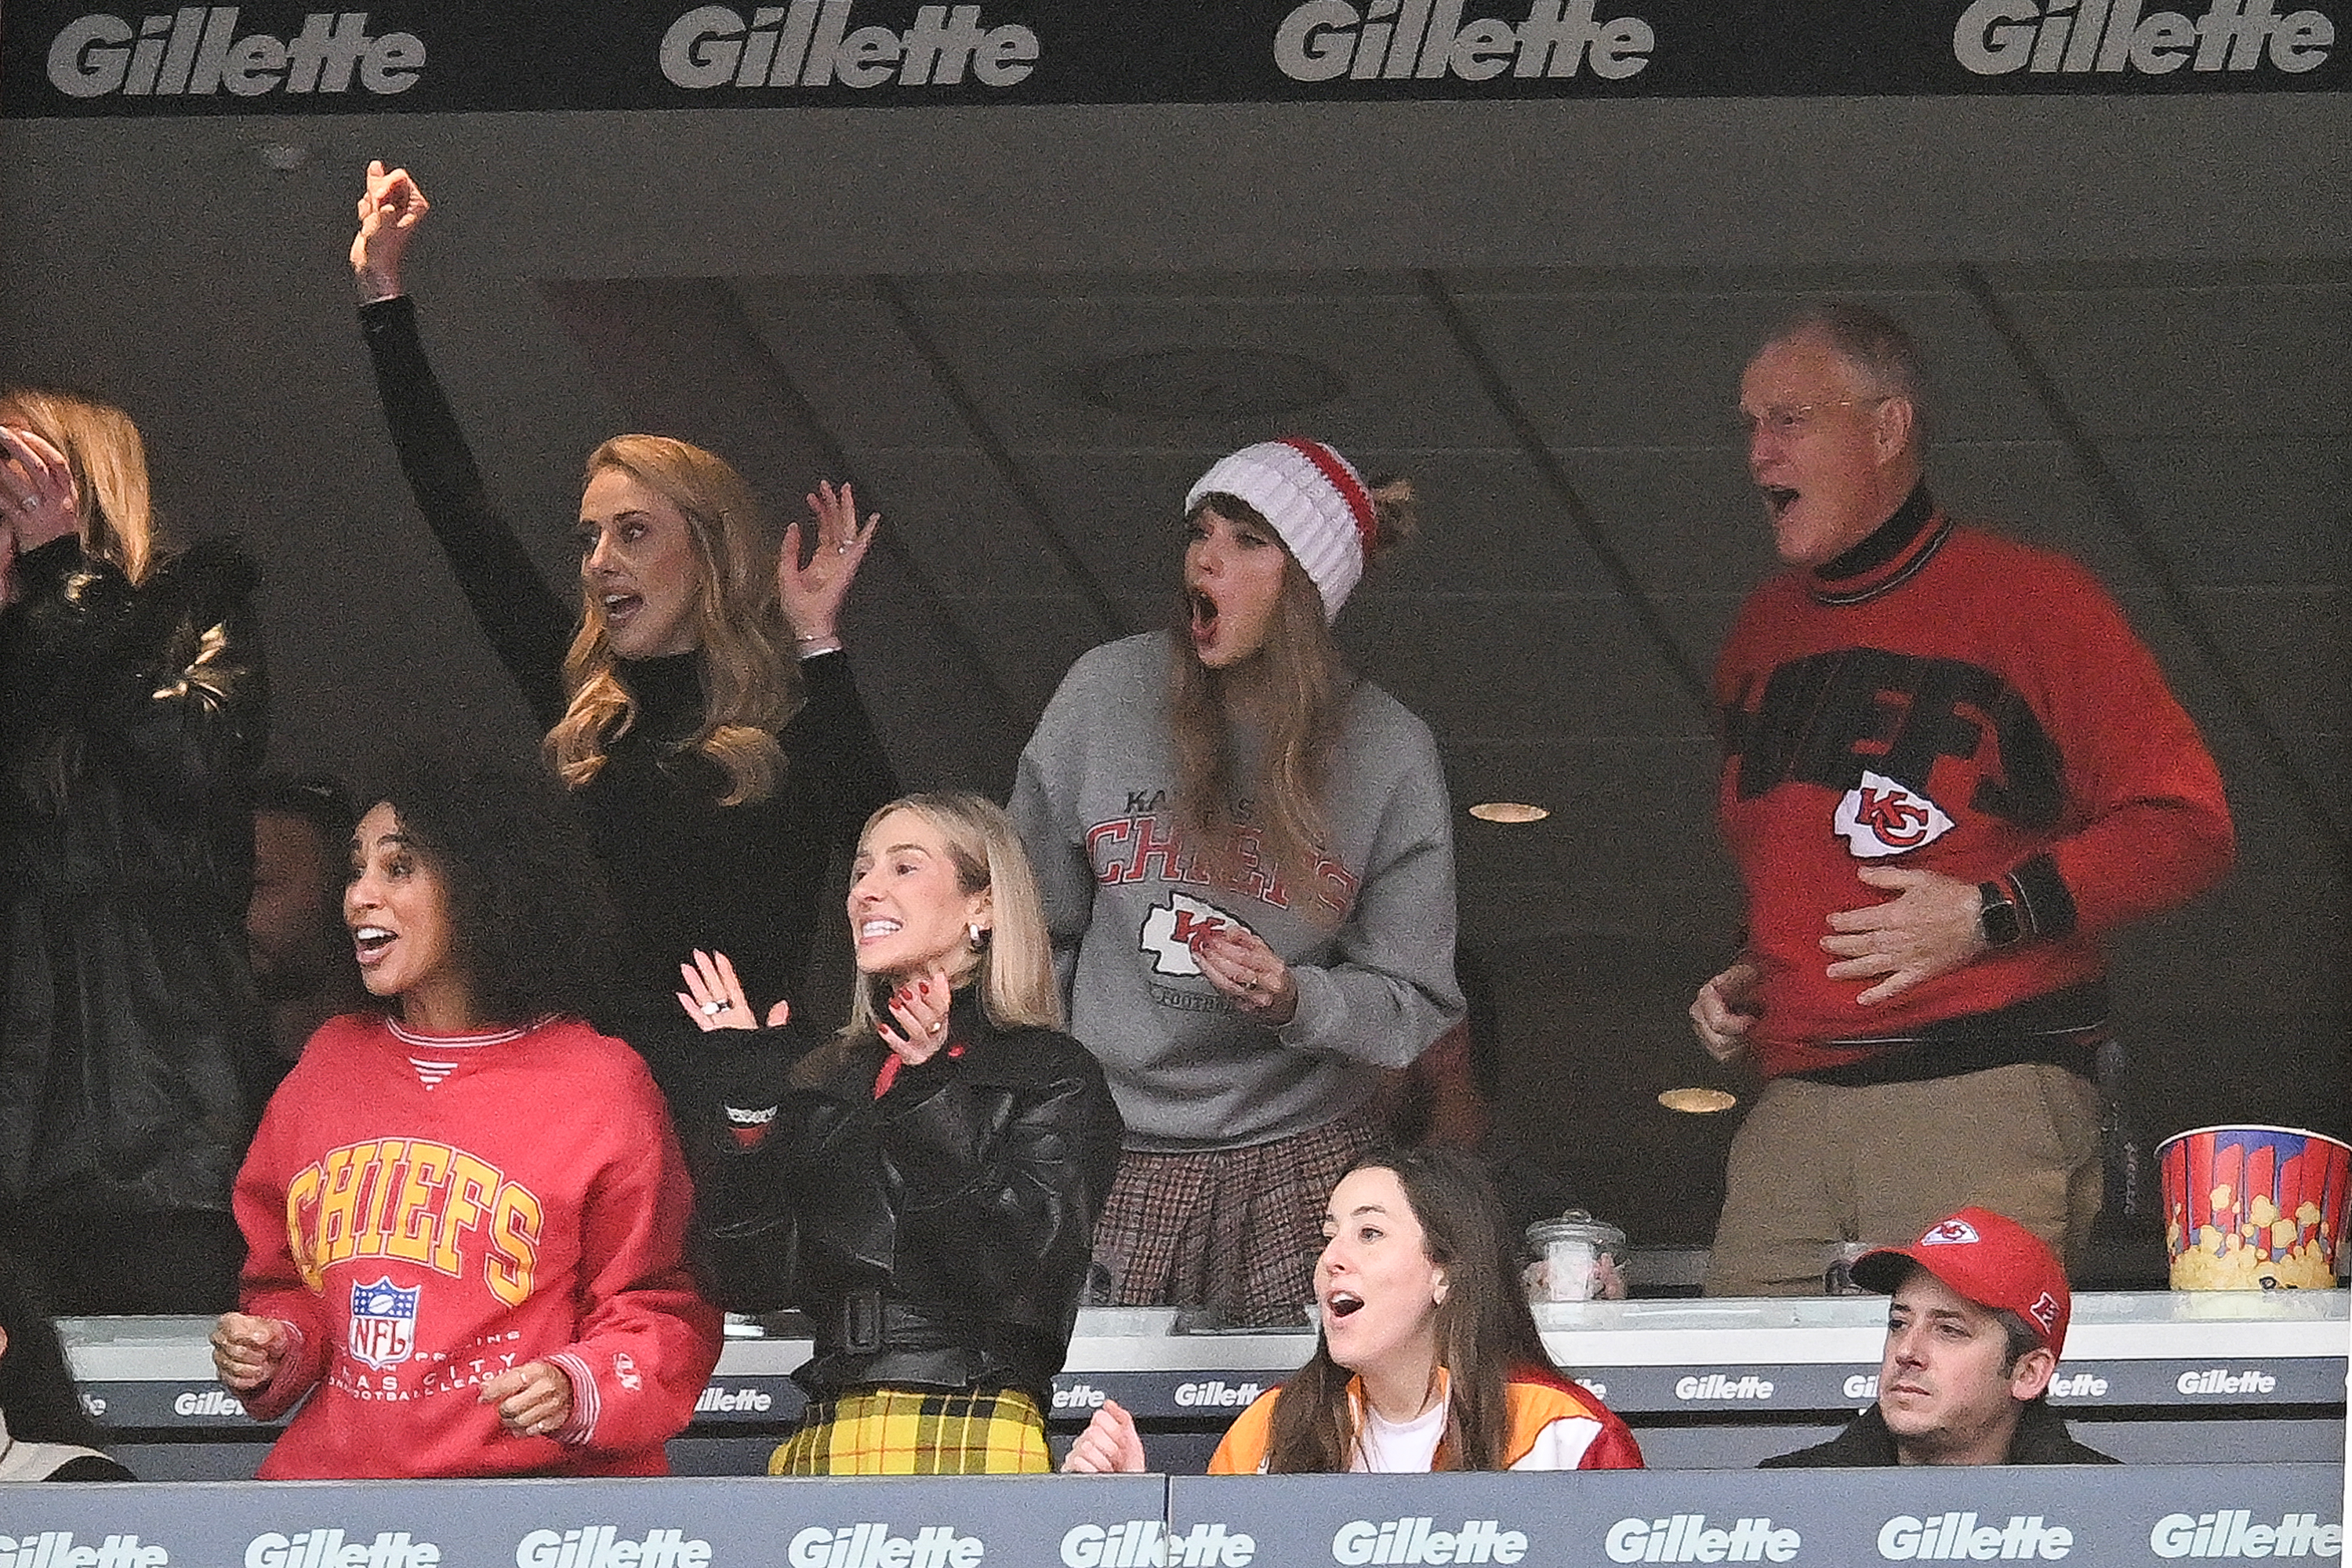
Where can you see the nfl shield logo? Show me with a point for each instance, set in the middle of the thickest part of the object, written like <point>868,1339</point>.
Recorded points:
<point>383,1322</point>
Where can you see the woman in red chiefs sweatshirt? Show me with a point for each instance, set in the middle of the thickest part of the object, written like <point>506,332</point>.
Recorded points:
<point>466,1217</point>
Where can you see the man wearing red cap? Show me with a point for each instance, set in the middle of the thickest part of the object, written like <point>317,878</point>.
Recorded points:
<point>1973,1333</point>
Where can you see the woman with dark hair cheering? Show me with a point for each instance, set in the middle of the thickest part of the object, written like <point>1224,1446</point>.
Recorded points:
<point>467,1217</point>
<point>1248,861</point>
<point>698,703</point>
<point>923,1183</point>
<point>1428,1358</point>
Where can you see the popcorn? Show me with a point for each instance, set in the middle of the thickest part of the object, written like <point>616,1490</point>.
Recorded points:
<point>2242,1268</point>
<point>2249,1208</point>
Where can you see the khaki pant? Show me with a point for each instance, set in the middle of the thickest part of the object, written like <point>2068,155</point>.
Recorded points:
<point>1814,1167</point>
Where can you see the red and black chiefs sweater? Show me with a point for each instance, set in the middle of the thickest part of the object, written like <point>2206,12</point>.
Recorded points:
<point>1972,707</point>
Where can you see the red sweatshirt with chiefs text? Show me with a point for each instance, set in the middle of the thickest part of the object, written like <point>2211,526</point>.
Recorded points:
<point>427,1212</point>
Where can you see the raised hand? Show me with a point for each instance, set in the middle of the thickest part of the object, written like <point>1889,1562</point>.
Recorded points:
<point>390,210</point>
<point>811,594</point>
<point>919,1007</point>
<point>1110,1445</point>
<point>38,499</point>
<point>714,998</point>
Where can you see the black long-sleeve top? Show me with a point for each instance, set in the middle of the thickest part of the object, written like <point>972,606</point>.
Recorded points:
<point>686,871</point>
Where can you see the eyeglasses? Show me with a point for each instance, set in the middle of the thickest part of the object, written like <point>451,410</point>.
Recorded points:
<point>1787,421</point>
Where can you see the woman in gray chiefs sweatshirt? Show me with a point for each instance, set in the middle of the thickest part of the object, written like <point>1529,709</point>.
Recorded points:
<point>1247,863</point>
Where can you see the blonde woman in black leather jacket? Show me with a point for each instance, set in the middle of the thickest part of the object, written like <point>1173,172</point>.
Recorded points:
<point>923,1183</point>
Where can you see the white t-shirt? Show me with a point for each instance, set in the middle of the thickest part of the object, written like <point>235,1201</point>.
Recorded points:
<point>1385,1447</point>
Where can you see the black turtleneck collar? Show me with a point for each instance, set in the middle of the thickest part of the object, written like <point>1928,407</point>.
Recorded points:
<point>1896,552</point>
<point>668,689</point>
<point>1886,540</point>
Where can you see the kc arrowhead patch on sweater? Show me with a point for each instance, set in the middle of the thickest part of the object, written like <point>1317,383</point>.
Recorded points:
<point>1170,930</point>
<point>1879,817</point>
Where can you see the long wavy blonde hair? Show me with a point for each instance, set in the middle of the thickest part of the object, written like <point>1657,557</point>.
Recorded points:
<point>108,462</point>
<point>749,689</point>
<point>1303,681</point>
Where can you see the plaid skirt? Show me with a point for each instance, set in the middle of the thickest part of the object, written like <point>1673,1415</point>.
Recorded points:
<point>918,1432</point>
<point>1231,1231</point>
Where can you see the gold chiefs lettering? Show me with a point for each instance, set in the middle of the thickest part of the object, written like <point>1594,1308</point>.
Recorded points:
<point>413,1199</point>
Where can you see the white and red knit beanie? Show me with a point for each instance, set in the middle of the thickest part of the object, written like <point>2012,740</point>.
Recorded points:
<point>1316,501</point>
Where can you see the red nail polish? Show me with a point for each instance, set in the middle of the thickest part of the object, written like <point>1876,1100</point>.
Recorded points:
<point>926,988</point>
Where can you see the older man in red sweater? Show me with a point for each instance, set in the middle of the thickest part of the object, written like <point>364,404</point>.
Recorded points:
<point>1949,769</point>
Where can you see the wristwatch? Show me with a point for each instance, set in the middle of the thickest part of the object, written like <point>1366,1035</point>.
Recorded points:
<point>1998,916</point>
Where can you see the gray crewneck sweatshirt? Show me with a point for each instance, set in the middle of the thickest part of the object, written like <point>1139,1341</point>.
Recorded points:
<point>1094,802</point>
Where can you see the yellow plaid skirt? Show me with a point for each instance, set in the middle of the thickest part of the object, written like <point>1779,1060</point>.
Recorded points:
<point>912,1432</point>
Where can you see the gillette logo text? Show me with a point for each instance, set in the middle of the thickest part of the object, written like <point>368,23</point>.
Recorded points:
<point>197,51</point>
<point>1689,1538</point>
<point>55,1549</point>
<point>330,1549</point>
<point>1149,1543</point>
<point>1958,1538</point>
<point>1362,1541</point>
<point>1400,40</point>
<point>810,43</point>
<point>871,1545</point>
<point>2232,1532</point>
<point>1995,37</point>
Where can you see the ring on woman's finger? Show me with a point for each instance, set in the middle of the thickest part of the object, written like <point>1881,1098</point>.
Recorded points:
<point>712,1009</point>
<point>938,1028</point>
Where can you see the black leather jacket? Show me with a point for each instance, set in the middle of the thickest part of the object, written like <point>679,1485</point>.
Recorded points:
<point>938,1236</point>
<point>132,1062</point>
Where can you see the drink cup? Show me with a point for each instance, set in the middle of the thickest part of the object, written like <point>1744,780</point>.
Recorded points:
<point>1568,1252</point>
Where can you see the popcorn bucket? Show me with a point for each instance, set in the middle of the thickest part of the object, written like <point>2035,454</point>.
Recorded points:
<point>2255,1208</point>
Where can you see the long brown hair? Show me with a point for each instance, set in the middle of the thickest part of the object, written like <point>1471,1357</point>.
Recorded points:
<point>108,462</point>
<point>1303,682</point>
<point>1485,1331</point>
<point>748,688</point>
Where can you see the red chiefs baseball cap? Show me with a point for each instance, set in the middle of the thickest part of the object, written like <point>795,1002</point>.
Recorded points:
<point>1990,1258</point>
